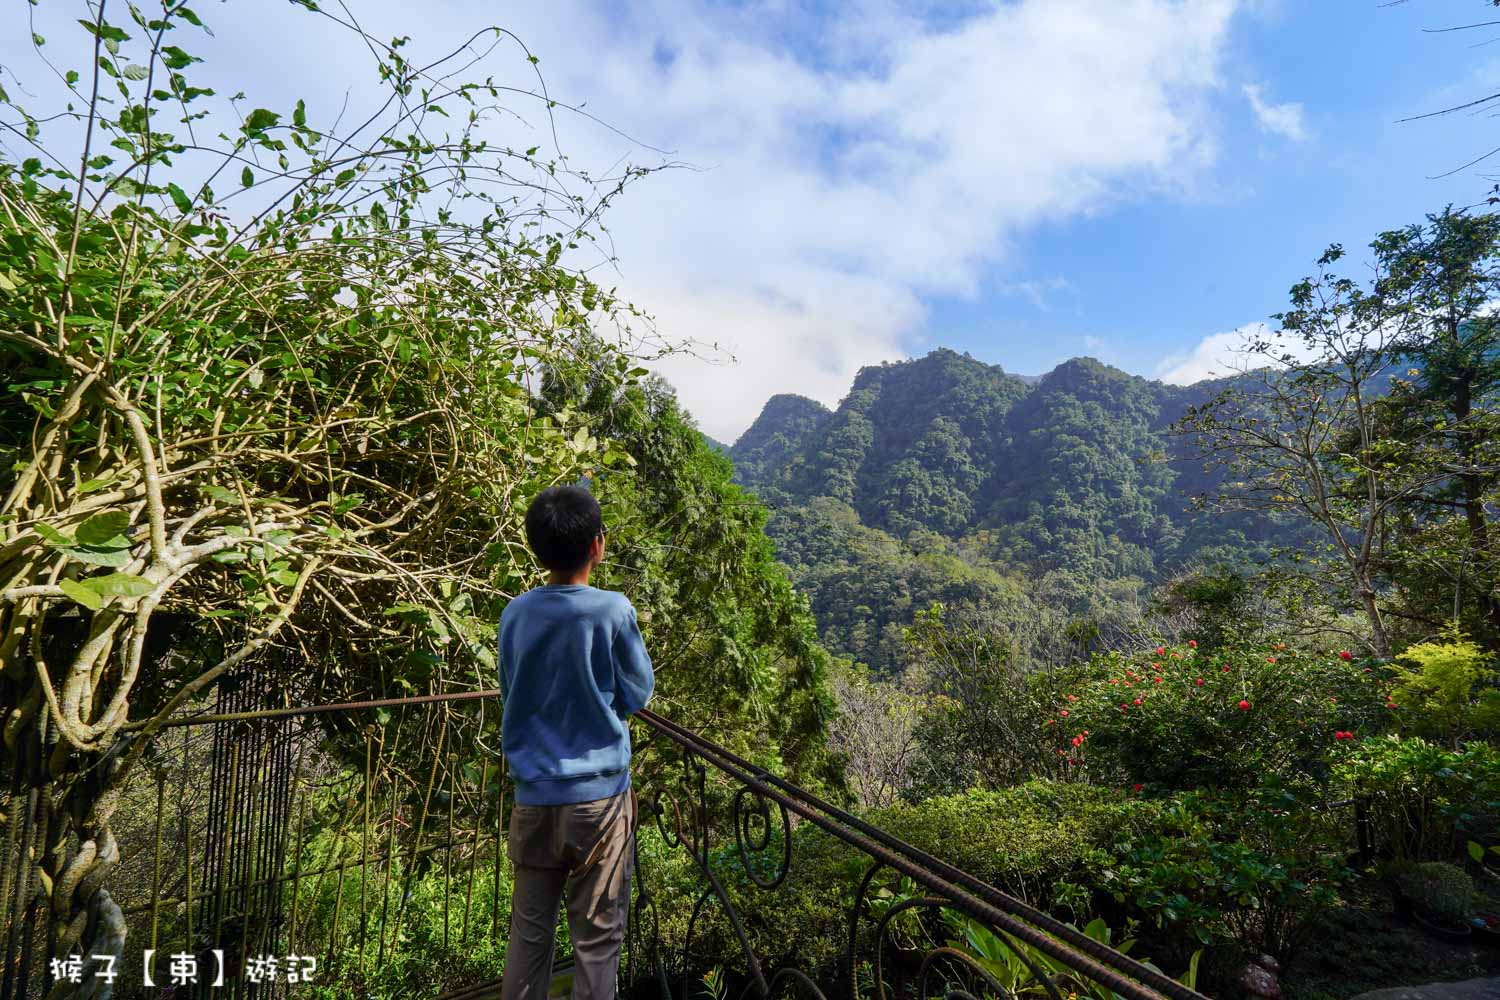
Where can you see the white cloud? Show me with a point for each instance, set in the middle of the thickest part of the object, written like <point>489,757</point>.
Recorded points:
<point>1284,120</point>
<point>1230,353</point>
<point>853,163</point>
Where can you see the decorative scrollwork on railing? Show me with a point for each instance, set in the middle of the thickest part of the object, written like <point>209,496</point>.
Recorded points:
<point>762,817</point>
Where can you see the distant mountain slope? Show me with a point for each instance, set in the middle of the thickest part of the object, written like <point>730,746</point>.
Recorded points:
<point>1075,472</point>
<point>1078,469</point>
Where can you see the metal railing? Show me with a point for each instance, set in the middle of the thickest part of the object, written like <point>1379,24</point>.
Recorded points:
<point>271,847</point>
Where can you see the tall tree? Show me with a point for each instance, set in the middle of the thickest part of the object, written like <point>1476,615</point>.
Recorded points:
<point>1442,277</point>
<point>1302,433</point>
<point>293,412</point>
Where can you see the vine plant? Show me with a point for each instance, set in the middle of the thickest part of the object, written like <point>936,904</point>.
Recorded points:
<point>273,387</point>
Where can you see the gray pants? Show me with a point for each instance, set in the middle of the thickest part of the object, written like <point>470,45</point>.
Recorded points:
<point>587,848</point>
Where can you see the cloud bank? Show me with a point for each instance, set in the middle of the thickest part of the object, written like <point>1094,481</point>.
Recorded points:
<point>848,163</point>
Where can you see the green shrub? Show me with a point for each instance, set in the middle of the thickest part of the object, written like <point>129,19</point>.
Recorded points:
<point>1029,840</point>
<point>1439,890</point>
<point>1446,690</point>
<point>1167,720</point>
<point>1249,868</point>
<point>1424,800</point>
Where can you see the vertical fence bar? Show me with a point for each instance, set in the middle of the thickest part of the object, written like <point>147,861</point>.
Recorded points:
<point>385,884</point>
<point>338,901</point>
<point>499,836</point>
<point>448,854</point>
<point>291,927</point>
<point>364,849</point>
<point>187,852</point>
<point>161,802</point>
<point>416,846</point>
<point>484,784</point>
<point>228,842</point>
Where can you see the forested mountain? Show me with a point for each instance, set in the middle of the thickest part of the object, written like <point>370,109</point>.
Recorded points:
<point>945,478</point>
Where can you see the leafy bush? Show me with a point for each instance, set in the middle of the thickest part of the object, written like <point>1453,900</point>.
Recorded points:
<point>1423,800</point>
<point>1031,841</point>
<point>1439,890</point>
<point>1251,868</point>
<point>1447,688</point>
<point>1163,720</point>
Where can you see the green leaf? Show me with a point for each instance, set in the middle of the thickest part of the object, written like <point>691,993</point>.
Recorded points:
<point>228,556</point>
<point>52,535</point>
<point>1476,850</point>
<point>118,585</point>
<point>135,72</point>
<point>220,494</point>
<point>299,115</point>
<point>110,557</point>
<point>99,483</point>
<point>179,198</point>
<point>104,529</point>
<point>285,577</point>
<point>81,594</point>
<point>175,58</point>
<point>260,119</point>
<point>247,177</point>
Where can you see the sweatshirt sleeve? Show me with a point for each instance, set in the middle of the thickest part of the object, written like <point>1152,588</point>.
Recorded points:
<point>634,680</point>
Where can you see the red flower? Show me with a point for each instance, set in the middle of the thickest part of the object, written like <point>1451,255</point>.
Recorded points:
<point>1161,650</point>
<point>1226,669</point>
<point>1199,682</point>
<point>1063,713</point>
<point>1270,659</point>
<point>1176,655</point>
<point>1244,705</point>
<point>1390,704</point>
<point>1344,654</point>
<point>1051,722</point>
<point>1137,786</point>
<point>1158,678</point>
<point>1342,735</point>
<point>1138,701</point>
<point>1072,697</point>
<point>1193,643</point>
<point>1078,740</point>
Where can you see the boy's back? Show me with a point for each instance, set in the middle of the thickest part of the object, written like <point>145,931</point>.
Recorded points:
<point>573,668</point>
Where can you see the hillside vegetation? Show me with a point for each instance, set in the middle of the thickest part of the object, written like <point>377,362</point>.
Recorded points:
<point>947,479</point>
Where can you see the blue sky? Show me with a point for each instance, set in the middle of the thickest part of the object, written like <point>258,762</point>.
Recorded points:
<point>865,180</point>
<point>1148,278</point>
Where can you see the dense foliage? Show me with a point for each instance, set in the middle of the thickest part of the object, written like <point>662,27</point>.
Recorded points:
<point>946,479</point>
<point>282,397</point>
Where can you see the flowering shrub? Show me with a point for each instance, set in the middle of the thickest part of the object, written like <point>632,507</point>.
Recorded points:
<point>1177,719</point>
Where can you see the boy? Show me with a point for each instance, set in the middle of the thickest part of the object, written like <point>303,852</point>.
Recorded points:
<point>572,670</point>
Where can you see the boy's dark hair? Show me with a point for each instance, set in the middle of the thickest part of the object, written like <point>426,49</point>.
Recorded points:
<point>561,525</point>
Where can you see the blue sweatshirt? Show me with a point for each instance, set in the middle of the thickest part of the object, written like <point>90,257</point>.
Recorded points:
<point>573,668</point>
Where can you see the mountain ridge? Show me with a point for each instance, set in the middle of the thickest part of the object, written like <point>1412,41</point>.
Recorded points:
<point>944,478</point>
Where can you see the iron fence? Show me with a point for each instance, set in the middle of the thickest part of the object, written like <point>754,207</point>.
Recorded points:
<point>269,848</point>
